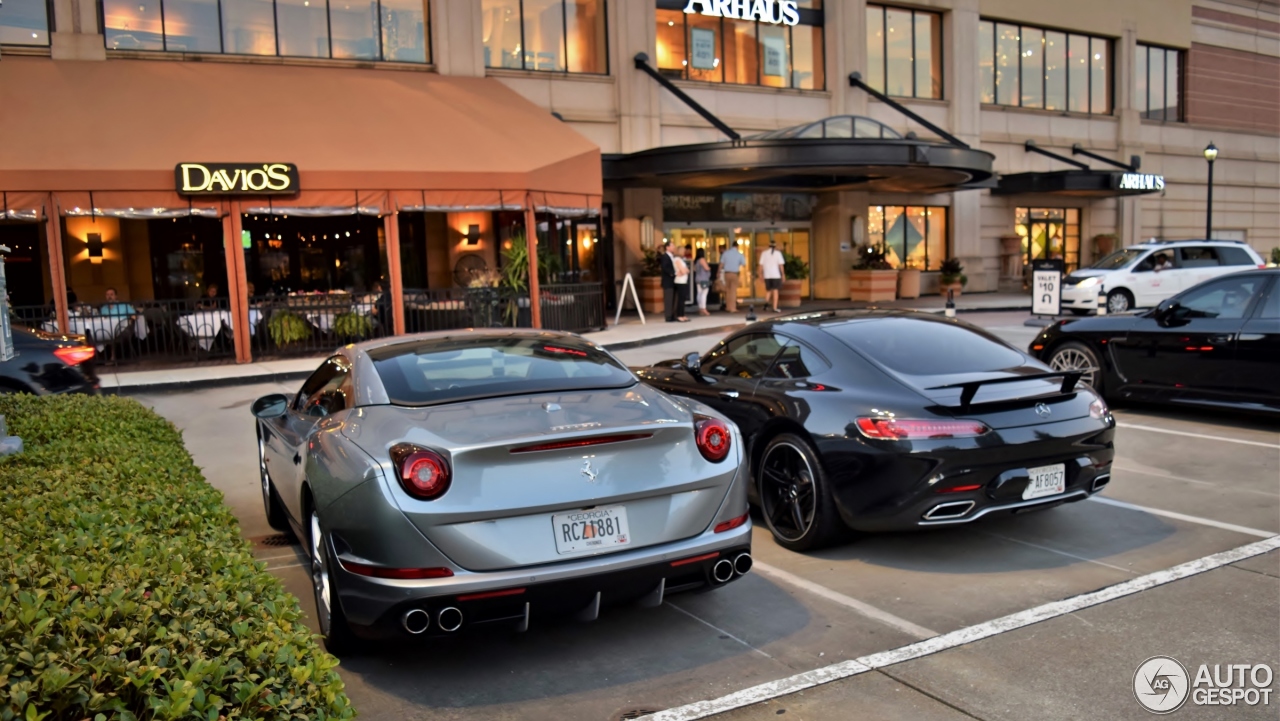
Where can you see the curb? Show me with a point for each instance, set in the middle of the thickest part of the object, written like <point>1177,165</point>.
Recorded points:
<point>283,377</point>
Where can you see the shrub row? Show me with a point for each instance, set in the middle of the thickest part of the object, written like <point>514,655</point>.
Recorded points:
<point>126,591</point>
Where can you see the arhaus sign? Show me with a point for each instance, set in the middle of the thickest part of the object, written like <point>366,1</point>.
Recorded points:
<point>785,12</point>
<point>236,178</point>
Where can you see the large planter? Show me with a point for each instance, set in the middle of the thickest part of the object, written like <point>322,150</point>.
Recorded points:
<point>873,285</point>
<point>1104,245</point>
<point>789,296</point>
<point>944,287</point>
<point>651,294</point>
<point>909,283</point>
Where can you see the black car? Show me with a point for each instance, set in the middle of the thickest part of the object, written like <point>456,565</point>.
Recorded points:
<point>47,363</point>
<point>894,420</point>
<point>1214,344</point>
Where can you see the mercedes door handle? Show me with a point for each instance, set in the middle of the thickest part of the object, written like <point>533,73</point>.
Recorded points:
<point>1252,336</point>
<point>729,395</point>
<point>297,458</point>
<point>1221,339</point>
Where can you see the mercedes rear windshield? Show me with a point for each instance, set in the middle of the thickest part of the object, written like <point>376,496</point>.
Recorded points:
<point>446,370</point>
<point>921,347</point>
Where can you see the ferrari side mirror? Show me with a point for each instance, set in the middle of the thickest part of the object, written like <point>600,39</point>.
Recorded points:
<point>693,363</point>
<point>270,406</point>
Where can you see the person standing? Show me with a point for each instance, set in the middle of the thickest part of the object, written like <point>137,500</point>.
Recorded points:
<point>771,264</point>
<point>731,262</point>
<point>702,279</point>
<point>667,263</point>
<point>682,284</point>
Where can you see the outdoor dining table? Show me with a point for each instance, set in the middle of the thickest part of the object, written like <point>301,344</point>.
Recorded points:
<point>205,325</point>
<point>100,328</point>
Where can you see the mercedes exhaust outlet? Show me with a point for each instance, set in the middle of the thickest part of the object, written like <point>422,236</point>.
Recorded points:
<point>945,511</point>
<point>722,572</point>
<point>742,563</point>
<point>449,619</point>
<point>415,621</point>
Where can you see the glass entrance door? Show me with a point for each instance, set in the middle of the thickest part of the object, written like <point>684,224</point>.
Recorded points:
<point>1050,233</point>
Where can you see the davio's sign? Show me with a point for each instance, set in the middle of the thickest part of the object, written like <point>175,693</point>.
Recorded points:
<point>784,12</point>
<point>1140,181</point>
<point>236,178</point>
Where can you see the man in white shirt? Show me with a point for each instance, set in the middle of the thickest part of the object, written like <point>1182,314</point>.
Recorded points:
<point>771,264</point>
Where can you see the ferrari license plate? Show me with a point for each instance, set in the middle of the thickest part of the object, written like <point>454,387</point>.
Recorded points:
<point>1045,481</point>
<point>596,529</point>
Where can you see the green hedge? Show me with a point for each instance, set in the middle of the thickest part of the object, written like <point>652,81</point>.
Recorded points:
<point>126,591</point>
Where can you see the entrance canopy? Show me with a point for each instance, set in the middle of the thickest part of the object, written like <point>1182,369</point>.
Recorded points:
<point>843,152</point>
<point>105,137</point>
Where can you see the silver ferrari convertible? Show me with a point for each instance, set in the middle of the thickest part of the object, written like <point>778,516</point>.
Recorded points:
<point>448,480</point>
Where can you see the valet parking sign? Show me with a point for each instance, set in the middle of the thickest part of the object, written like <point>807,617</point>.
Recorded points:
<point>1162,685</point>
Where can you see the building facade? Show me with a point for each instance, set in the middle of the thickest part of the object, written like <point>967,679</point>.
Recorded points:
<point>1127,94</point>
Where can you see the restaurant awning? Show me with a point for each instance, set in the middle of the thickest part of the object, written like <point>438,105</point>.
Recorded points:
<point>363,140</point>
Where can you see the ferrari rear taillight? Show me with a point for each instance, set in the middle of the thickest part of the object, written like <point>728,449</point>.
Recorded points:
<point>424,474</point>
<point>74,355</point>
<point>712,438</point>
<point>398,574</point>
<point>893,429</point>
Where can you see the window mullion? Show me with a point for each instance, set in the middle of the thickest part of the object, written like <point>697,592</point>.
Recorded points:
<point>524,48</point>
<point>915,92</point>
<point>564,43</point>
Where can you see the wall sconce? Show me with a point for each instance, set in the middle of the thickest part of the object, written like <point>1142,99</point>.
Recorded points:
<point>472,236</point>
<point>94,240</point>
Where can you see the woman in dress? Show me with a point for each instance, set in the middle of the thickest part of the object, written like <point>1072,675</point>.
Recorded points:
<point>702,278</point>
<point>682,283</point>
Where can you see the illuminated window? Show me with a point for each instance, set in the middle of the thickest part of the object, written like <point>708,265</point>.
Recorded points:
<point>1033,67</point>
<point>915,236</point>
<point>563,36</point>
<point>692,46</point>
<point>1050,233</point>
<point>389,30</point>
<point>1157,88</point>
<point>904,52</point>
<point>24,22</point>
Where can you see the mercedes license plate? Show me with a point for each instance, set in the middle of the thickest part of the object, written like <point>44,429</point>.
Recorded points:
<point>1045,481</point>
<point>596,529</point>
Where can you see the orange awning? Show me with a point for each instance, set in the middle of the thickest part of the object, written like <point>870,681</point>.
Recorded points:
<point>380,139</point>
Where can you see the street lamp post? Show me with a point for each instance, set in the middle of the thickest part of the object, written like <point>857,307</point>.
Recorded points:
<point>1210,154</point>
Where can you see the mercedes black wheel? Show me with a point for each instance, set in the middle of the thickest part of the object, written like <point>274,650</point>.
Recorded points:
<point>795,499</point>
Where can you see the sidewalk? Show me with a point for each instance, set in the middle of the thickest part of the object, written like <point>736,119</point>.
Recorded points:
<point>629,333</point>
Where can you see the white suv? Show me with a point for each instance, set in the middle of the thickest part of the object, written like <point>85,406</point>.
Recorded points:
<point>1142,275</point>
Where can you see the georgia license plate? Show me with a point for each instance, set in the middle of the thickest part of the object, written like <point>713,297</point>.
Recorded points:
<point>1045,481</point>
<point>596,529</point>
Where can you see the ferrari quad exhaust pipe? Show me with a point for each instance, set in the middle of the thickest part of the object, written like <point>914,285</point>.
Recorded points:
<point>415,621</point>
<point>945,511</point>
<point>1099,483</point>
<point>722,572</point>
<point>449,619</point>
<point>742,564</point>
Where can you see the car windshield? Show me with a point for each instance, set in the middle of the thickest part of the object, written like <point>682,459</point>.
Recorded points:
<point>918,347</point>
<point>1119,259</point>
<point>445,370</point>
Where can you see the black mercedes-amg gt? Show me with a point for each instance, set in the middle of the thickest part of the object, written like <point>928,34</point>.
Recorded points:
<point>894,420</point>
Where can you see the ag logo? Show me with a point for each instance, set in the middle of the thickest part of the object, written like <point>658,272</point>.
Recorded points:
<point>1161,684</point>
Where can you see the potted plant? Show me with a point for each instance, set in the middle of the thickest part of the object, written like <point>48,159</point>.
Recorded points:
<point>352,325</point>
<point>651,283</point>
<point>909,281</point>
<point>515,278</point>
<point>952,277</point>
<point>287,327</point>
<point>1275,256</point>
<point>794,273</point>
<point>1104,243</point>
<point>872,277</point>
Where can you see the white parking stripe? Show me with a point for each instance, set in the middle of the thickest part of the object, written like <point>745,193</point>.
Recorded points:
<point>964,636</point>
<point>275,558</point>
<point>717,629</point>
<point>853,604</point>
<point>286,565</point>
<point>1159,474</point>
<point>1184,517</point>
<point>1224,439</point>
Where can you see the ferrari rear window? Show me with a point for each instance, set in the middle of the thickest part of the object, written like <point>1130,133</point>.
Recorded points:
<point>920,347</point>
<point>446,370</point>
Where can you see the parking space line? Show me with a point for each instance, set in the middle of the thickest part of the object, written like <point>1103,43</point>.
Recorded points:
<point>861,607</point>
<point>1159,474</point>
<point>1203,436</point>
<point>1184,517</point>
<point>1129,571</point>
<point>962,637</point>
<point>287,565</point>
<point>719,630</point>
<point>276,558</point>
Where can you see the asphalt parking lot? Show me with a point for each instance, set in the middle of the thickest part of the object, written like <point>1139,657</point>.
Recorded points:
<point>1185,487</point>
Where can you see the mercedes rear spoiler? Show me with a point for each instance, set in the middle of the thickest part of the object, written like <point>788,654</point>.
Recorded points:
<point>969,389</point>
